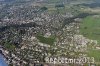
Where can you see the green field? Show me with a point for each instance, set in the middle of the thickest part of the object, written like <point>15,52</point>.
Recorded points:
<point>90,28</point>
<point>94,53</point>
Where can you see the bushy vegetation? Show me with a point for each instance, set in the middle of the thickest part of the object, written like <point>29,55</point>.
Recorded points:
<point>9,46</point>
<point>44,8</point>
<point>43,39</point>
